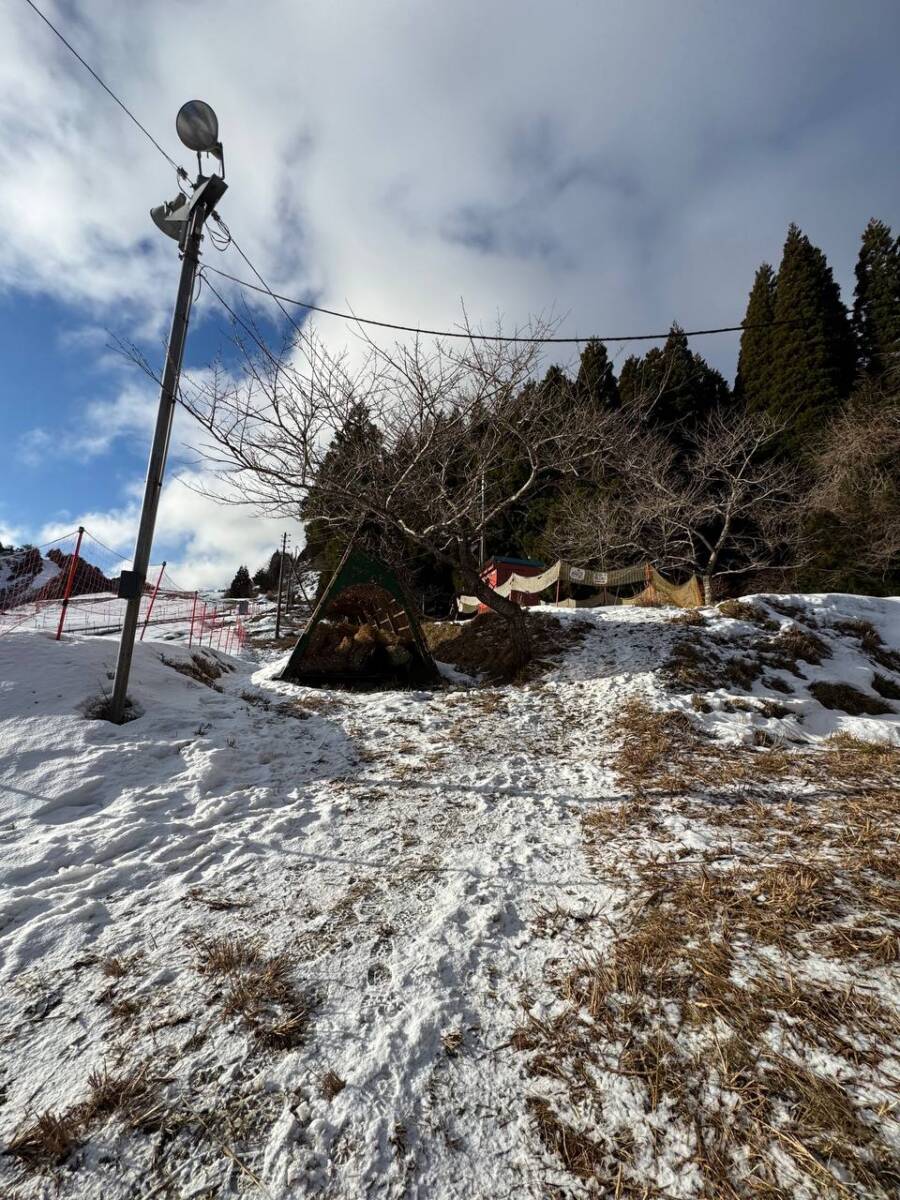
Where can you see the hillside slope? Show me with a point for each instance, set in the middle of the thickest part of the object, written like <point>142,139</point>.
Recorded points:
<point>632,926</point>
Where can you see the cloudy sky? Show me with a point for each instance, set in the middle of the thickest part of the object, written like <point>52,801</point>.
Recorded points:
<point>618,163</point>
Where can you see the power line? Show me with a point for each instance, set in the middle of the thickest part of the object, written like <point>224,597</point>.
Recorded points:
<point>230,241</point>
<point>234,316</point>
<point>475,337</point>
<point>180,170</point>
<point>264,289</point>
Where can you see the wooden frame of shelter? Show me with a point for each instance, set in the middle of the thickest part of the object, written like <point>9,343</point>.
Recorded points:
<point>388,645</point>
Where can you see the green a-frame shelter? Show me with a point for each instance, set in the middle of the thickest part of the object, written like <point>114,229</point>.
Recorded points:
<point>388,646</point>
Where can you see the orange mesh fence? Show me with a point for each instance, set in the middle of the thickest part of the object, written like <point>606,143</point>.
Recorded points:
<point>71,585</point>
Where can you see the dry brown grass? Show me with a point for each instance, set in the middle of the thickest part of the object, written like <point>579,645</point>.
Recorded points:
<point>258,990</point>
<point>699,994</point>
<point>689,617</point>
<point>201,667</point>
<point>653,744</point>
<point>664,1007</point>
<point>743,610</point>
<point>691,666</point>
<point>269,1005</point>
<point>705,660</point>
<point>135,1096</point>
<point>796,645</point>
<point>225,955</point>
<point>848,699</point>
<point>115,966</point>
<point>47,1139</point>
<point>331,1085</point>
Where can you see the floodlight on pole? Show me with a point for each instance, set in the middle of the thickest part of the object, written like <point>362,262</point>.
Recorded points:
<point>183,219</point>
<point>198,127</point>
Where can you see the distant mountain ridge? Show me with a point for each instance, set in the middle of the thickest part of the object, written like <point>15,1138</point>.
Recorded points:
<point>27,576</point>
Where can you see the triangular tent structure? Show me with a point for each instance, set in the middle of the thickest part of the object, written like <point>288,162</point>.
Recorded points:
<point>363,631</point>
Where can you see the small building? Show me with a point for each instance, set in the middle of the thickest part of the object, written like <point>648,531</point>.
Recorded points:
<point>496,571</point>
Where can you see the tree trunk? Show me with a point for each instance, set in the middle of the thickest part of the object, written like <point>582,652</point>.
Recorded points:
<point>512,614</point>
<point>707,581</point>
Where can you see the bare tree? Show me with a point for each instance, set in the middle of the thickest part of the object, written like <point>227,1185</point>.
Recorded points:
<point>723,505</point>
<point>451,419</point>
<point>856,493</point>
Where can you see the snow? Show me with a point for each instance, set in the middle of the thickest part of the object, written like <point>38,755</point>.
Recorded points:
<point>399,846</point>
<point>25,586</point>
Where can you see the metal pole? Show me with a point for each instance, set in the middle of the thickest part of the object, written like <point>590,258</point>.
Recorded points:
<point>158,451</point>
<point>152,601</point>
<point>290,585</point>
<point>280,577</point>
<point>70,580</point>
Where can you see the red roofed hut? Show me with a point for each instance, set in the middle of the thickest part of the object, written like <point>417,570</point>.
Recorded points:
<point>497,570</point>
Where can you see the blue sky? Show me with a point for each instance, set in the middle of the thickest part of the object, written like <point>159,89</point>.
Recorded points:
<point>617,163</point>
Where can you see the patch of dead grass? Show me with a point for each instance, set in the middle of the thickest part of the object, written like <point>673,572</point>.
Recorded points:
<point>481,645</point>
<point>331,1085</point>
<point>691,617</point>
<point>848,699</point>
<point>744,610</point>
<point>200,667</point>
<point>258,990</point>
<point>47,1139</point>
<point>700,998</point>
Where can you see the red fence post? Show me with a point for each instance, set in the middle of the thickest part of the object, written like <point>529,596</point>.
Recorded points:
<point>193,611</point>
<point>70,581</point>
<point>152,601</point>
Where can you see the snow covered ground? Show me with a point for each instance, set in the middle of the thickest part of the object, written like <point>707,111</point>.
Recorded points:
<point>292,942</point>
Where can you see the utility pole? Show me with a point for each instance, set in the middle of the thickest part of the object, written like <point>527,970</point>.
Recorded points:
<point>280,578</point>
<point>289,599</point>
<point>183,219</point>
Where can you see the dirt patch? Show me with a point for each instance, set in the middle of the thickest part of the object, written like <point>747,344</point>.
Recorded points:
<point>886,687</point>
<point>481,646</point>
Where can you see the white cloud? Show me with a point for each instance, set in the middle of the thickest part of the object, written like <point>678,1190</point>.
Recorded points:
<point>93,431</point>
<point>10,535</point>
<point>203,542</point>
<point>625,164</point>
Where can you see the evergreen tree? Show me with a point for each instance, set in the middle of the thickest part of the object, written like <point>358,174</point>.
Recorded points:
<point>677,387</point>
<point>753,382</point>
<point>876,308</point>
<point>241,587</point>
<point>630,387</point>
<point>263,580</point>
<point>813,359</point>
<point>326,536</point>
<point>520,531</point>
<point>266,578</point>
<point>595,377</point>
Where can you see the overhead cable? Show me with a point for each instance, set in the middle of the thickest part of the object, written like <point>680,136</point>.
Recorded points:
<point>146,132</point>
<point>477,337</point>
